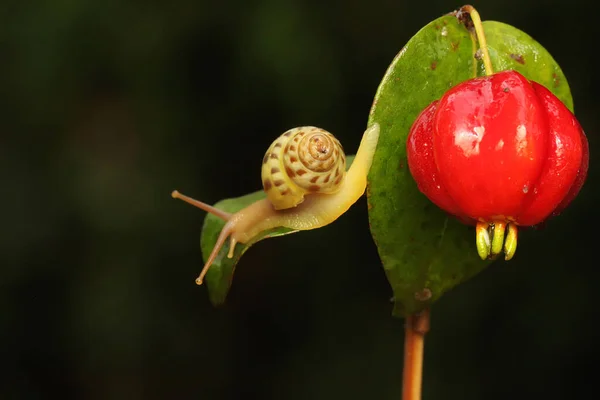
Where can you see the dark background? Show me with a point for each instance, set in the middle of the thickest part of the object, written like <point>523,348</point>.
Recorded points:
<point>107,106</point>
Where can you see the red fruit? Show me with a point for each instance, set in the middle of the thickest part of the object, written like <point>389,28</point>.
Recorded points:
<point>498,151</point>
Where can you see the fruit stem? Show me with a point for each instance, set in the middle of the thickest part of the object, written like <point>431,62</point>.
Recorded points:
<point>487,62</point>
<point>417,325</point>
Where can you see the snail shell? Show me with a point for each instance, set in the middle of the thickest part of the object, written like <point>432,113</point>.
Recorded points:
<point>302,160</point>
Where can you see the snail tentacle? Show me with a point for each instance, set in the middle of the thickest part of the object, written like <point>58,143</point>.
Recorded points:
<point>226,232</point>
<point>224,215</point>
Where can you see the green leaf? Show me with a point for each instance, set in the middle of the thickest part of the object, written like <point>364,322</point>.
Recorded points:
<point>220,274</point>
<point>511,48</point>
<point>424,252</point>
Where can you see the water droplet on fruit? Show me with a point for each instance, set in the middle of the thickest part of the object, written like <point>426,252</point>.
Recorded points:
<point>521,138</point>
<point>444,31</point>
<point>500,144</point>
<point>560,147</point>
<point>469,141</point>
<point>525,189</point>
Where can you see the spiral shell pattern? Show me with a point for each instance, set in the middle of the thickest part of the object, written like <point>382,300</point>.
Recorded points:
<point>302,160</point>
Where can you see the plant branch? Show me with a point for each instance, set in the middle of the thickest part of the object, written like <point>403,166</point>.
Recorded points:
<point>416,327</point>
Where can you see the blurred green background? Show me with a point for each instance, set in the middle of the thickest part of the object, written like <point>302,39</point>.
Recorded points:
<point>107,106</point>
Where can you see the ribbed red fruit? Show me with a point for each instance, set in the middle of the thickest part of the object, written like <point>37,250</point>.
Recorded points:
<point>498,151</point>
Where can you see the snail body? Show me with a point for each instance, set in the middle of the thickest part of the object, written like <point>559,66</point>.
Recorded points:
<point>305,209</point>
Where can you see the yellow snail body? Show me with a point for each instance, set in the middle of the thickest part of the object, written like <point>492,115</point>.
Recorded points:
<point>310,210</point>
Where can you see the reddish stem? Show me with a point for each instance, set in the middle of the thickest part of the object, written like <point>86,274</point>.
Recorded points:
<point>417,326</point>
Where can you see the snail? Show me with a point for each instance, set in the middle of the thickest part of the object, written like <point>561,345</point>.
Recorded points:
<point>307,186</point>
